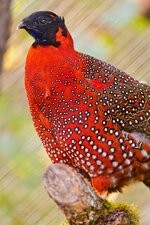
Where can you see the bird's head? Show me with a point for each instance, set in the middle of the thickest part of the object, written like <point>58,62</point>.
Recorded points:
<point>46,28</point>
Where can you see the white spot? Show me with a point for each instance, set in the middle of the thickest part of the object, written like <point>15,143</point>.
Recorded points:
<point>144,153</point>
<point>102,166</point>
<point>73,141</point>
<point>109,142</point>
<point>115,163</point>
<point>95,147</point>
<point>82,161</point>
<point>120,167</point>
<point>112,149</point>
<point>111,131</point>
<point>123,147</point>
<point>130,154</point>
<point>111,157</point>
<point>104,154</point>
<point>91,167</point>
<point>124,155</point>
<point>91,142</point>
<point>88,138</point>
<point>94,156</point>
<point>100,172</point>
<point>128,161</point>
<point>103,139</point>
<point>88,154</point>
<point>86,150</point>
<point>98,162</point>
<point>121,140</point>
<point>116,133</point>
<point>100,150</point>
<point>99,137</point>
<point>133,145</point>
<point>92,128</point>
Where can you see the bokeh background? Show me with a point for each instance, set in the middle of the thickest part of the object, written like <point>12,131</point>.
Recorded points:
<point>113,30</point>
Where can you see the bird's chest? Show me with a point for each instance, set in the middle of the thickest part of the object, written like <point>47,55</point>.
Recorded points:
<point>57,97</point>
<point>64,109</point>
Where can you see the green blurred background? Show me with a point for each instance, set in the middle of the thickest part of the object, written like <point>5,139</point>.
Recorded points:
<point>117,31</point>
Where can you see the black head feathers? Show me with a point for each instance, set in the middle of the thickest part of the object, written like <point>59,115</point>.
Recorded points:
<point>43,26</point>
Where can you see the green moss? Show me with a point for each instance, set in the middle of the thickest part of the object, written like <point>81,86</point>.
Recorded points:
<point>132,211</point>
<point>108,210</point>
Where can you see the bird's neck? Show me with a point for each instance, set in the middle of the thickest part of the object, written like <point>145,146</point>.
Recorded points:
<point>41,56</point>
<point>49,52</point>
<point>65,41</point>
<point>57,40</point>
<point>43,63</point>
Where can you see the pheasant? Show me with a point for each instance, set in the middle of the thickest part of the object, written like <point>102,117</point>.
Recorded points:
<point>87,113</point>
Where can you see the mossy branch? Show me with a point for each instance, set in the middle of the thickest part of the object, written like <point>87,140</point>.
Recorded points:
<point>80,203</point>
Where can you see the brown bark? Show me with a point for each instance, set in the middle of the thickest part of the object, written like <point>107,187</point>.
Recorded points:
<point>80,203</point>
<point>5,18</point>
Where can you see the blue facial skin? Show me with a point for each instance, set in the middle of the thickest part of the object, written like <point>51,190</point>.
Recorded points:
<point>32,33</point>
<point>36,35</point>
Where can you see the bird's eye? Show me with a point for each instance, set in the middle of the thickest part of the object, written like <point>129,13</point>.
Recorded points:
<point>43,21</point>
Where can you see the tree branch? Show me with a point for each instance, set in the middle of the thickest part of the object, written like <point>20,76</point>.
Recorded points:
<point>5,19</point>
<point>79,201</point>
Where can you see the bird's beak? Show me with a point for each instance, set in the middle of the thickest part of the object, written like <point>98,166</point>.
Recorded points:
<point>21,25</point>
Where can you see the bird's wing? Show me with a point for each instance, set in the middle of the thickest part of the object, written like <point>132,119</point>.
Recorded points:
<point>124,100</point>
